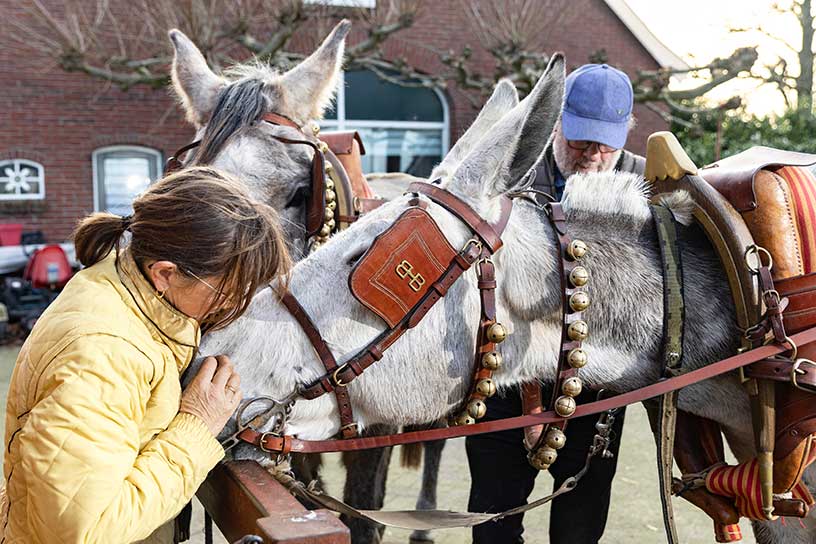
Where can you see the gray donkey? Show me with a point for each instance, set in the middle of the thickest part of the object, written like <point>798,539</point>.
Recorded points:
<point>425,375</point>
<point>224,110</point>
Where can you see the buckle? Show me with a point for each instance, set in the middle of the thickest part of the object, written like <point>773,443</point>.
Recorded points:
<point>352,426</point>
<point>336,375</point>
<point>263,438</point>
<point>475,242</point>
<point>795,370</point>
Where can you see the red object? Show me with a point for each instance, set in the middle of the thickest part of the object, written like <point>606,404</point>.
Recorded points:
<point>49,268</point>
<point>11,234</point>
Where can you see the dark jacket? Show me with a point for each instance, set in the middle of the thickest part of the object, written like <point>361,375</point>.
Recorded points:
<point>545,174</point>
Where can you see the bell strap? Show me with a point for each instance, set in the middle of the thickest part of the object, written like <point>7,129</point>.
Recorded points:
<point>541,445</point>
<point>274,443</point>
<point>348,428</point>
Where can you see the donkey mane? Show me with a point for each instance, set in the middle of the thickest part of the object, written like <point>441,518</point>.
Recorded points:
<point>238,105</point>
<point>622,194</point>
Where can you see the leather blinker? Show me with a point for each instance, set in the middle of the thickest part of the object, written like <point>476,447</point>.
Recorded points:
<point>401,266</point>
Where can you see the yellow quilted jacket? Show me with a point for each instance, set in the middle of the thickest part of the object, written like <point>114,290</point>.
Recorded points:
<point>96,450</point>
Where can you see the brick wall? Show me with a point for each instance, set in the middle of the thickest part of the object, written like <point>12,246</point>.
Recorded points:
<point>58,119</point>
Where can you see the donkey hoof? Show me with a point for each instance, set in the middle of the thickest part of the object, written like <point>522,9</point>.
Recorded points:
<point>421,537</point>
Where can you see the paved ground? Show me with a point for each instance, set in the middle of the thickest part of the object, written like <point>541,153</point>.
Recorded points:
<point>634,518</point>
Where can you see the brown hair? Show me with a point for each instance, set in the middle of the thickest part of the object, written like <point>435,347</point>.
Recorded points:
<point>204,221</point>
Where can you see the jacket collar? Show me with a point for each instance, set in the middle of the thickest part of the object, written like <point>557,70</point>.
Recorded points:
<point>177,331</point>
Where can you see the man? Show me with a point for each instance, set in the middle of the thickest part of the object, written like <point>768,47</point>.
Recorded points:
<point>589,137</point>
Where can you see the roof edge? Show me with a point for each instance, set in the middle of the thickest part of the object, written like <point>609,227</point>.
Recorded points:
<point>664,56</point>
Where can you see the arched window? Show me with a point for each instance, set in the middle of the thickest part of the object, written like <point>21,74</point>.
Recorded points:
<point>121,172</point>
<point>21,179</point>
<point>404,129</point>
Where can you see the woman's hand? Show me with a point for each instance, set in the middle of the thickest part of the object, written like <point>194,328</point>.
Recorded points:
<point>214,393</point>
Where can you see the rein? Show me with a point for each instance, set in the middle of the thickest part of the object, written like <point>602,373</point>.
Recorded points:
<point>287,444</point>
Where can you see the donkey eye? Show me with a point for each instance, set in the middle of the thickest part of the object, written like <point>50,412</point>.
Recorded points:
<point>299,197</point>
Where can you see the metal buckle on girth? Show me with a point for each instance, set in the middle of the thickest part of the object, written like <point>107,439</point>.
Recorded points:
<point>795,370</point>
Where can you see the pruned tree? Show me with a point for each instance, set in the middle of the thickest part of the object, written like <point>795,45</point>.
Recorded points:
<point>794,80</point>
<point>124,42</point>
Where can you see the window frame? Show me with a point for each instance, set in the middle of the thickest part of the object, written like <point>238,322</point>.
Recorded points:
<point>341,123</point>
<point>95,158</point>
<point>39,195</point>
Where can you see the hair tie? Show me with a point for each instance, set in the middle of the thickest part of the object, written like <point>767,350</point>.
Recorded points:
<point>126,221</point>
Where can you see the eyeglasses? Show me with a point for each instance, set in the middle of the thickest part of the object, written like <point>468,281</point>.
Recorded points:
<point>214,290</point>
<point>583,145</point>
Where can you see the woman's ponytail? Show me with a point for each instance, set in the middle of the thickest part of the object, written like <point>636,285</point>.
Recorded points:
<point>97,235</point>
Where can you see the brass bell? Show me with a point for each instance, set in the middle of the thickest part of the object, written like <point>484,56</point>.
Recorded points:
<point>323,147</point>
<point>555,438</point>
<point>578,330</point>
<point>329,182</point>
<point>576,249</point>
<point>476,409</point>
<point>579,301</point>
<point>464,419</point>
<point>328,213</point>
<point>577,358</point>
<point>331,204</point>
<point>486,387</point>
<point>330,195</point>
<point>331,223</point>
<point>325,230</point>
<point>492,360</point>
<point>547,455</point>
<point>316,245</point>
<point>565,406</point>
<point>537,463</point>
<point>329,170</point>
<point>579,276</point>
<point>315,129</point>
<point>572,386</point>
<point>496,333</point>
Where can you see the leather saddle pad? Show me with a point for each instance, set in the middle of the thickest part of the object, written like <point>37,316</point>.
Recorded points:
<point>401,266</point>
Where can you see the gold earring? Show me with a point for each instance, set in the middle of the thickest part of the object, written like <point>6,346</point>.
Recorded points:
<point>161,294</point>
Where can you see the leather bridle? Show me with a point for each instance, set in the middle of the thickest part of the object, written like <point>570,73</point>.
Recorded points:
<point>318,223</point>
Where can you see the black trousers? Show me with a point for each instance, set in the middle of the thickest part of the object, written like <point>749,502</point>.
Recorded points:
<point>502,478</point>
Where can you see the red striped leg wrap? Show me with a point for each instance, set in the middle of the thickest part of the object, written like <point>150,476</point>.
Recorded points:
<point>727,533</point>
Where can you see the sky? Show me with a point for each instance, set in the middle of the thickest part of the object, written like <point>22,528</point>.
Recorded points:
<point>698,31</point>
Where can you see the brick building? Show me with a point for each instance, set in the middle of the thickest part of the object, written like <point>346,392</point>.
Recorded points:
<point>70,144</point>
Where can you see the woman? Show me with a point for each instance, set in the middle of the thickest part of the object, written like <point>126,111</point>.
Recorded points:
<point>101,443</point>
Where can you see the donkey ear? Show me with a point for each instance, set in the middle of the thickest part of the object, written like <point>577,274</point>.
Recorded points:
<point>310,86</point>
<point>193,81</point>
<point>504,98</point>
<point>500,161</point>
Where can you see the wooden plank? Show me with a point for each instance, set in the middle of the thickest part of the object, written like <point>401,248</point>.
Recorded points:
<point>243,498</point>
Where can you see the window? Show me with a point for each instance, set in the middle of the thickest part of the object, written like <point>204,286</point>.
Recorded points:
<point>21,179</point>
<point>120,174</point>
<point>404,129</point>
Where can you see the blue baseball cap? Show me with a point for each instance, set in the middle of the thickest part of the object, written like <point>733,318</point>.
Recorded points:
<point>597,105</point>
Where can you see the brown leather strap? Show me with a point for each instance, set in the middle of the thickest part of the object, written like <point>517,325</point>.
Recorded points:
<point>348,428</point>
<point>278,119</point>
<point>276,443</point>
<point>490,235</point>
<point>782,370</point>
